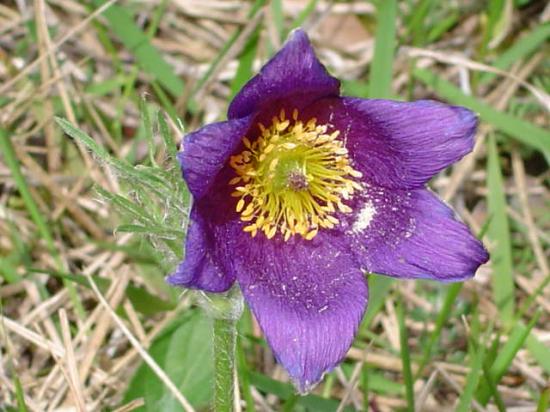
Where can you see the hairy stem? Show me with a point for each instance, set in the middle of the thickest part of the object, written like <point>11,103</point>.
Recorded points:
<point>225,334</point>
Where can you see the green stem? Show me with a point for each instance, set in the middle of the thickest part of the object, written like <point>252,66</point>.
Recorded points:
<point>225,337</point>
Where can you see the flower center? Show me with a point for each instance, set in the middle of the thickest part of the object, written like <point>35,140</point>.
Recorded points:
<point>293,179</point>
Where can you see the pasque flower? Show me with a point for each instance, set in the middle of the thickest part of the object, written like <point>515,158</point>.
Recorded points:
<point>301,190</point>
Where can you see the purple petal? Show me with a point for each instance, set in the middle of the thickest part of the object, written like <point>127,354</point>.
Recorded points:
<point>308,296</point>
<point>293,73</point>
<point>206,151</point>
<point>201,267</point>
<point>412,234</point>
<point>399,144</point>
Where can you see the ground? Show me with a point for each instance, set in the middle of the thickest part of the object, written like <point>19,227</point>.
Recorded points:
<point>93,210</point>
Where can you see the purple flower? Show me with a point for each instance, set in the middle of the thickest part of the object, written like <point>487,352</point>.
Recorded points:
<point>301,190</point>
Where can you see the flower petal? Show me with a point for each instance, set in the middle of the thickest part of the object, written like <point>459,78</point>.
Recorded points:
<point>412,234</point>
<point>206,151</point>
<point>399,144</point>
<point>293,71</point>
<point>308,297</point>
<point>201,267</point>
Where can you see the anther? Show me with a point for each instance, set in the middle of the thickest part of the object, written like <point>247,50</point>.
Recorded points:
<point>293,178</point>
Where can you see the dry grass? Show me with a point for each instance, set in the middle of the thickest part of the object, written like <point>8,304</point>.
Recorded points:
<point>67,345</point>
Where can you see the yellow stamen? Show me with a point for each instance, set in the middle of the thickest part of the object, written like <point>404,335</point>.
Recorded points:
<point>290,178</point>
<point>240,205</point>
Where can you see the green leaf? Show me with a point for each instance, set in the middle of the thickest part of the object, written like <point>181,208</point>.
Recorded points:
<point>139,173</point>
<point>154,230</point>
<point>127,207</point>
<point>185,353</point>
<point>147,128</point>
<point>167,138</point>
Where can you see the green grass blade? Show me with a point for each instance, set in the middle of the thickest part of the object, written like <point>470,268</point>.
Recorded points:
<point>20,396</point>
<point>506,355</point>
<point>8,271</point>
<point>244,70</point>
<point>143,301</point>
<point>491,388</point>
<point>105,87</point>
<point>450,298</point>
<point>499,233</point>
<point>379,287</point>
<point>514,343</point>
<point>495,9</point>
<point>477,357</point>
<point>521,49</point>
<point>256,7</point>
<point>405,355</point>
<point>137,42</point>
<point>278,18</point>
<point>285,391</point>
<point>381,71</point>
<point>365,385</point>
<point>539,351</point>
<point>8,152</point>
<point>521,130</point>
<point>416,25</point>
<point>355,88</point>
<point>244,376</point>
<point>443,26</point>
<point>303,15</point>
<point>526,305</point>
<point>544,401</point>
